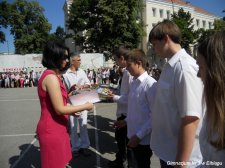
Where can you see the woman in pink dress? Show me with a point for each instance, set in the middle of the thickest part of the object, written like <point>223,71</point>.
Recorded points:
<point>52,127</point>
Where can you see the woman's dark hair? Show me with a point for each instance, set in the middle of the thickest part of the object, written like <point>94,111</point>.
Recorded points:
<point>53,55</point>
<point>212,50</point>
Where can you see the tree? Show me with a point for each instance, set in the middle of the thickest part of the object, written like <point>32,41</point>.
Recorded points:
<point>58,36</point>
<point>185,23</point>
<point>103,25</point>
<point>4,18</point>
<point>219,25</point>
<point>224,16</point>
<point>28,25</point>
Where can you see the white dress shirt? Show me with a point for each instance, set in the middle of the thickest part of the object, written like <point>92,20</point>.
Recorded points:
<point>124,90</point>
<point>140,101</point>
<point>179,94</point>
<point>75,77</point>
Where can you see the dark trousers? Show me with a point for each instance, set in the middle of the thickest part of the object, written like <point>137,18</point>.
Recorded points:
<point>122,140</point>
<point>164,164</point>
<point>142,154</point>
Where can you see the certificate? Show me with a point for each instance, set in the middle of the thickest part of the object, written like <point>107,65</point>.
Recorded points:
<point>85,96</point>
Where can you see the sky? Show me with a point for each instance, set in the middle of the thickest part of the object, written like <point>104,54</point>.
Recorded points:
<point>54,14</point>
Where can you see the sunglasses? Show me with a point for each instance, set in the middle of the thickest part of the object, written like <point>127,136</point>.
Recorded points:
<point>65,57</point>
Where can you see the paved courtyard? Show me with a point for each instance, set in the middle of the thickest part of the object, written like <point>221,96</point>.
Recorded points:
<point>20,112</point>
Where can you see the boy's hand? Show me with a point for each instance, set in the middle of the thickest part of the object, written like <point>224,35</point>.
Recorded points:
<point>120,124</point>
<point>133,142</point>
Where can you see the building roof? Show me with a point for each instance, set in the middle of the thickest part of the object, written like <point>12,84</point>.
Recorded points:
<point>187,3</point>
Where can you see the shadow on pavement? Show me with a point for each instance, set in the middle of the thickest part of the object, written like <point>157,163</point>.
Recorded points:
<point>30,159</point>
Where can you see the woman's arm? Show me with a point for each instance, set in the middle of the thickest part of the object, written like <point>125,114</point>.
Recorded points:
<point>51,85</point>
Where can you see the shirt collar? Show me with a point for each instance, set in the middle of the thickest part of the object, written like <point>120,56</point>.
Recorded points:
<point>142,77</point>
<point>70,71</point>
<point>173,60</point>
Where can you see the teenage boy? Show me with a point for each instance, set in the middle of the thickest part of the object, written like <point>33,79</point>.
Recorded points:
<point>177,112</point>
<point>121,112</point>
<point>140,101</point>
<point>76,78</point>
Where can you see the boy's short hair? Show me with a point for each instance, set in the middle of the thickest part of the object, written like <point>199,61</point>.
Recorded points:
<point>136,55</point>
<point>166,27</point>
<point>121,51</point>
<point>53,55</point>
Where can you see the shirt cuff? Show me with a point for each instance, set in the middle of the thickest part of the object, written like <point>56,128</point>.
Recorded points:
<point>116,98</point>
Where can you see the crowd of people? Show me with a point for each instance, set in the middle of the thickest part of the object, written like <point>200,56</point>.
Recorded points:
<point>20,79</point>
<point>98,76</point>
<point>177,112</point>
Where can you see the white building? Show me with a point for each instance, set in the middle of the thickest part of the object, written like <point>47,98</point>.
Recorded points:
<point>69,42</point>
<point>158,10</point>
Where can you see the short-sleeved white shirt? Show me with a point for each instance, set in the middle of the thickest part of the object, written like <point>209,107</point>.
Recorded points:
<point>140,101</point>
<point>178,94</point>
<point>75,77</point>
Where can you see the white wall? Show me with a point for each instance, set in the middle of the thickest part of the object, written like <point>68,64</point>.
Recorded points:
<point>33,62</point>
<point>18,62</point>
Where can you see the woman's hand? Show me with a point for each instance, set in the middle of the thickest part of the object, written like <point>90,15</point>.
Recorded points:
<point>89,106</point>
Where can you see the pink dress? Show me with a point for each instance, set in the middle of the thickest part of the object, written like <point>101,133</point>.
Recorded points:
<point>52,130</point>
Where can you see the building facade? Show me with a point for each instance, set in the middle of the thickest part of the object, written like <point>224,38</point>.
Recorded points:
<point>158,10</point>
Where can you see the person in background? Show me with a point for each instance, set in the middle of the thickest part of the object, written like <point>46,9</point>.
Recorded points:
<point>113,77</point>
<point>177,112</point>
<point>52,128</point>
<point>140,100</point>
<point>211,61</point>
<point>121,133</point>
<point>77,79</point>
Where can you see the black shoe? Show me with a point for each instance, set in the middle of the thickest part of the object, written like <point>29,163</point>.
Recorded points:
<point>115,164</point>
<point>84,151</point>
<point>76,153</point>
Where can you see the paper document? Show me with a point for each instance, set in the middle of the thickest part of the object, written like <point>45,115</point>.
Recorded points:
<point>84,96</point>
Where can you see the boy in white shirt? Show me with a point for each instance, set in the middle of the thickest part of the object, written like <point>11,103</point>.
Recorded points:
<point>177,112</point>
<point>121,134</point>
<point>140,101</point>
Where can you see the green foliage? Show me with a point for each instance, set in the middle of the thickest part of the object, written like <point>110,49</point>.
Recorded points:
<point>103,25</point>
<point>4,18</point>
<point>58,36</point>
<point>29,26</point>
<point>185,23</point>
<point>203,34</point>
<point>219,25</point>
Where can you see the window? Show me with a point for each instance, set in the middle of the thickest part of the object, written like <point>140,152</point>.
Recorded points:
<point>168,14</point>
<point>203,24</point>
<point>154,12</point>
<point>210,25</point>
<point>161,13</point>
<point>197,22</point>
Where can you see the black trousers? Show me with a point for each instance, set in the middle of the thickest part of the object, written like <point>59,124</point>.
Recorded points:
<point>142,154</point>
<point>122,140</point>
